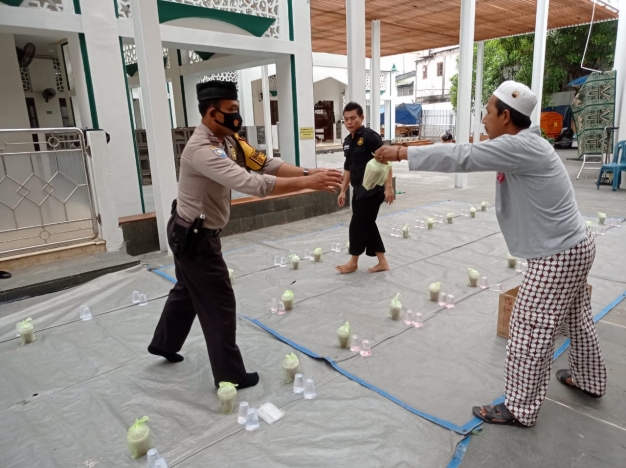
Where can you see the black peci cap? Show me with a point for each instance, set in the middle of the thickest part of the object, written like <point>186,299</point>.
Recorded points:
<point>215,90</point>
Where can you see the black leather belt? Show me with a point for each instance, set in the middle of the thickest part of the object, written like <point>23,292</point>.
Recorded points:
<point>203,232</point>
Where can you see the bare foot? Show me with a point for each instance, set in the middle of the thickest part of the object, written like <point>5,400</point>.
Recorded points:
<point>379,267</point>
<point>349,267</point>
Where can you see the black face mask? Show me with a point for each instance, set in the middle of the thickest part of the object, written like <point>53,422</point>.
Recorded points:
<point>232,120</point>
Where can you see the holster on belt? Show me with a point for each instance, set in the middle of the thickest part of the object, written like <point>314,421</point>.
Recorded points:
<point>183,236</point>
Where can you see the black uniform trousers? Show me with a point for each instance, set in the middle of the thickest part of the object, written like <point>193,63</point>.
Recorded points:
<point>203,288</point>
<point>364,235</point>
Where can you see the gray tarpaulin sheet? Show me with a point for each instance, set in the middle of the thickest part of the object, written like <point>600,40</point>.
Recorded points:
<point>67,399</point>
<point>456,361</point>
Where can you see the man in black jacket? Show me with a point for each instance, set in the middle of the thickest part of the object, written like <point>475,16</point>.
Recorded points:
<point>359,148</point>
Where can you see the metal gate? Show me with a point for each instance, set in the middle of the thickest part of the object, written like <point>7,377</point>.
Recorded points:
<point>436,122</point>
<point>45,192</point>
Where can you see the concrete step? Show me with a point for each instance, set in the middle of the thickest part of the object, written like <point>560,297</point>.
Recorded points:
<point>47,255</point>
<point>63,274</point>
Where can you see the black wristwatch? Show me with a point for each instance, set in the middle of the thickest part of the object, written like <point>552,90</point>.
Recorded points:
<point>305,171</point>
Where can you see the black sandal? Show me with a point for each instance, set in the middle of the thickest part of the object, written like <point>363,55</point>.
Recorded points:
<point>564,374</point>
<point>5,275</point>
<point>497,414</point>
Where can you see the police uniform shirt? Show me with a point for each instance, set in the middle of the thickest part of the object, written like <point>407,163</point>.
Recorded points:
<point>358,152</point>
<point>209,169</point>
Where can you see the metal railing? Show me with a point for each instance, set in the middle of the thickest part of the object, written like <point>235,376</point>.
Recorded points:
<point>46,195</point>
<point>436,122</point>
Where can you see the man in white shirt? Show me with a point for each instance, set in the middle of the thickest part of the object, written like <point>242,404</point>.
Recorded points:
<point>540,221</point>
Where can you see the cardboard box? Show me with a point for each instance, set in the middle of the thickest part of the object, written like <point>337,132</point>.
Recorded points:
<point>505,309</point>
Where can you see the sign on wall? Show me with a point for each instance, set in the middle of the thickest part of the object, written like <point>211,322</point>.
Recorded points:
<point>307,133</point>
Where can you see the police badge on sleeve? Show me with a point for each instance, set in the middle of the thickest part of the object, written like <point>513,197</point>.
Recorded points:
<point>219,152</point>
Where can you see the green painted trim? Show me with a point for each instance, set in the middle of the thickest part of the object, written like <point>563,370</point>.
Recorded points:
<point>132,128</point>
<point>204,55</point>
<point>13,3</point>
<point>117,13</point>
<point>255,25</point>
<point>182,88</point>
<point>274,93</point>
<point>77,9</point>
<point>294,91</point>
<point>90,94</point>
<point>294,98</point>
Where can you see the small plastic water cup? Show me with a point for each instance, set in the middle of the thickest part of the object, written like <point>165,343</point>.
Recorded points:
<point>366,349</point>
<point>524,268</point>
<point>518,266</point>
<point>465,213</point>
<point>281,308</point>
<point>496,287</point>
<point>409,319</point>
<point>252,421</point>
<point>274,306</point>
<point>355,344</point>
<point>135,297</point>
<point>307,254</point>
<point>153,456</point>
<point>277,260</point>
<point>283,262</point>
<point>333,248</point>
<point>309,389</point>
<point>417,224</point>
<point>419,321</point>
<point>242,417</point>
<point>483,282</point>
<point>442,299</point>
<point>450,301</point>
<point>85,313</point>
<point>298,384</point>
<point>338,247</point>
<point>601,230</point>
<point>143,300</point>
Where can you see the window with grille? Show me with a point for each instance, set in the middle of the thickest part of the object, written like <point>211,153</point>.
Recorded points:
<point>440,69</point>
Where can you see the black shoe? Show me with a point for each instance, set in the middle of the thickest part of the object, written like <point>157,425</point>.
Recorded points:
<point>5,275</point>
<point>564,374</point>
<point>250,380</point>
<point>171,357</point>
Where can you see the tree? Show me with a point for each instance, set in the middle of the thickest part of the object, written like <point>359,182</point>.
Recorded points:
<point>511,58</point>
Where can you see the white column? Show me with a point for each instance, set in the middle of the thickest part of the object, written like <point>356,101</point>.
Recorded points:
<point>191,99</point>
<point>267,112</point>
<point>375,78</point>
<point>287,137</point>
<point>177,89</point>
<point>246,105</point>
<point>111,101</point>
<point>478,91</point>
<point>156,111</point>
<point>355,28</point>
<point>620,67</point>
<point>466,62</point>
<point>104,186</point>
<point>393,102</point>
<point>539,55</point>
<point>80,83</point>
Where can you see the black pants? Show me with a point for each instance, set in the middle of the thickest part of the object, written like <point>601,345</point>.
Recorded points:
<point>364,235</point>
<point>203,289</point>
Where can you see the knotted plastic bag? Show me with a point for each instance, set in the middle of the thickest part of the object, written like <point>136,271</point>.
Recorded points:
<point>343,334</point>
<point>295,261</point>
<point>26,330</point>
<point>472,212</point>
<point>287,299</point>
<point>317,254</point>
<point>375,174</point>
<point>395,308</point>
<point>227,394</point>
<point>291,367</point>
<point>139,438</point>
<point>601,217</point>
<point>473,276</point>
<point>434,289</point>
<point>405,231</point>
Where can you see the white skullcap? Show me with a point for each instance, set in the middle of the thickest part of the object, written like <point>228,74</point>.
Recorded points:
<point>517,96</point>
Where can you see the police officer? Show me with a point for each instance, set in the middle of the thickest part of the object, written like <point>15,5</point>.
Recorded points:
<point>214,162</point>
<point>359,148</point>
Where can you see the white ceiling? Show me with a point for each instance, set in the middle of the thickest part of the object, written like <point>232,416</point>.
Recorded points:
<point>43,45</point>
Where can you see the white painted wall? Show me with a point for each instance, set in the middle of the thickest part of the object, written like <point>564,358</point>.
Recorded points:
<point>42,77</point>
<point>13,105</point>
<point>433,84</point>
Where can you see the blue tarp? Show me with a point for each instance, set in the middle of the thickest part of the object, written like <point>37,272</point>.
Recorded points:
<point>406,114</point>
<point>578,81</point>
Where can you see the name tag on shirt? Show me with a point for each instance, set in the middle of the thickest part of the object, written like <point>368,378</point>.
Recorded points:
<point>346,147</point>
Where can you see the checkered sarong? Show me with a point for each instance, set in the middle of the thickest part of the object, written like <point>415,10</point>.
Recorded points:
<point>552,299</point>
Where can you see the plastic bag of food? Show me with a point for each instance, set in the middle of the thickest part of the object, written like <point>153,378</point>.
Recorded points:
<point>287,299</point>
<point>431,223</point>
<point>434,290</point>
<point>227,394</point>
<point>472,212</point>
<point>317,254</point>
<point>294,261</point>
<point>26,330</point>
<point>405,231</point>
<point>395,308</point>
<point>375,174</point>
<point>450,217</point>
<point>473,277</point>
<point>139,438</point>
<point>291,367</point>
<point>343,335</point>
<point>601,218</point>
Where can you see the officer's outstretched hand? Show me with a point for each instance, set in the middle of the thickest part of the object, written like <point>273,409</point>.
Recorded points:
<point>328,181</point>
